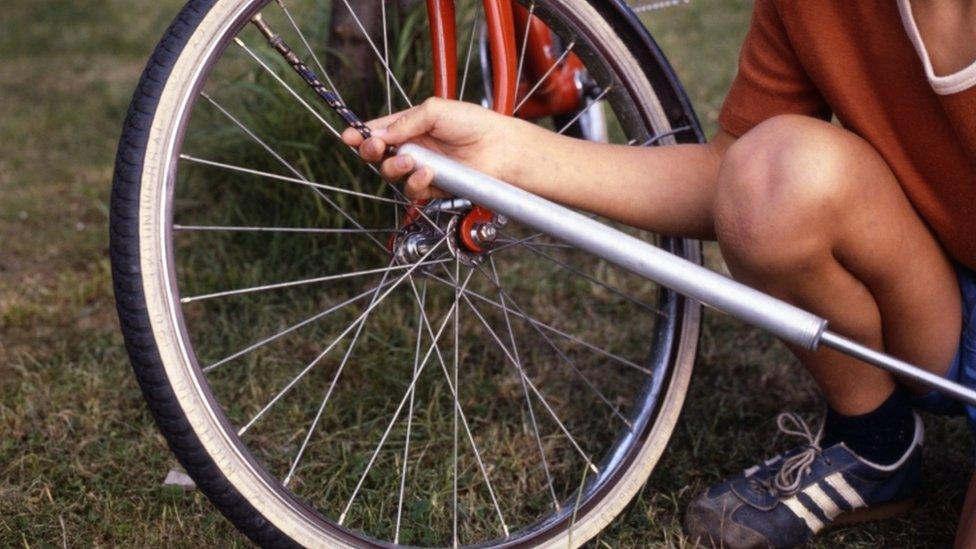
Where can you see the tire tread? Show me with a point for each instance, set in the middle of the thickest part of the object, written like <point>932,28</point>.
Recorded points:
<point>130,296</point>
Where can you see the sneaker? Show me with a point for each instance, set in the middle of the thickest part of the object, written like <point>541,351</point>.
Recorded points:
<point>784,501</point>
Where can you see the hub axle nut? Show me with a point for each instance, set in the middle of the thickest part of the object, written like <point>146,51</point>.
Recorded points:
<point>412,248</point>
<point>485,233</point>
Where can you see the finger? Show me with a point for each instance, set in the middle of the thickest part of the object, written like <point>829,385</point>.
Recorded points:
<point>352,137</point>
<point>414,122</point>
<point>384,122</point>
<point>397,167</point>
<point>377,127</point>
<point>418,184</point>
<point>373,149</point>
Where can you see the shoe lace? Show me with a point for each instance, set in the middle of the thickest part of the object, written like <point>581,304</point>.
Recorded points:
<point>789,478</point>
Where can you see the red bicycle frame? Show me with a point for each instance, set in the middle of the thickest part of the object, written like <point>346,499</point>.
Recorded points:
<point>558,94</point>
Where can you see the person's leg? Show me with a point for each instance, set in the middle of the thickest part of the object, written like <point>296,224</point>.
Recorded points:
<point>966,533</point>
<point>811,213</point>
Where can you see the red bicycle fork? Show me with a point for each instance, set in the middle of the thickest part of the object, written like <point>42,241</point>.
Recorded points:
<point>558,94</point>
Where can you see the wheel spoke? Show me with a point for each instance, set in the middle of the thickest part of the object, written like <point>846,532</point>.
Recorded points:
<point>332,386</point>
<point>287,87</point>
<point>525,388</point>
<point>396,414</point>
<point>535,390</point>
<point>291,329</point>
<point>386,57</point>
<point>243,127</point>
<point>530,238</point>
<point>545,76</point>
<point>591,278</point>
<point>297,181</point>
<point>336,341</point>
<point>303,282</point>
<point>454,387</point>
<point>579,499</point>
<point>502,295</point>
<point>547,327</point>
<point>525,43</point>
<point>527,242</point>
<point>389,103</point>
<point>376,50</point>
<point>240,229</point>
<point>467,57</point>
<point>421,303</point>
<point>513,243</point>
<point>586,109</point>
<point>316,114</point>
<point>275,154</point>
<point>311,52</point>
<point>261,142</point>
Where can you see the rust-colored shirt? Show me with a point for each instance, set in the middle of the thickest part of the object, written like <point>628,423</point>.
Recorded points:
<point>863,61</point>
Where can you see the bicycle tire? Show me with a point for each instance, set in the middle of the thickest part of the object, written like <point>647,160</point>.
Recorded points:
<point>133,290</point>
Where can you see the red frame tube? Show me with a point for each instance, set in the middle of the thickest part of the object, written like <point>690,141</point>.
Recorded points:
<point>500,21</point>
<point>443,39</point>
<point>557,95</point>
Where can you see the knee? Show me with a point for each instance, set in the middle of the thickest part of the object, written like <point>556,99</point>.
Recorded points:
<point>780,187</point>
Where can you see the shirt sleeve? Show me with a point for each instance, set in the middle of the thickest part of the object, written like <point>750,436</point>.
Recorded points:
<point>771,80</point>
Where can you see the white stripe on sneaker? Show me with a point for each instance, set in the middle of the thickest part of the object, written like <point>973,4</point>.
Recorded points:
<point>801,511</point>
<point>837,482</point>
<point>827,506</point>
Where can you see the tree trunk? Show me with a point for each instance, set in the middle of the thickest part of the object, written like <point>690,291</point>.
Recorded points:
<point>350,53</point>
<point>351,58</point>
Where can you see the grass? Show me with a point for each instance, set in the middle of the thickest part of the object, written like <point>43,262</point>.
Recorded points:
<point>81,462</point>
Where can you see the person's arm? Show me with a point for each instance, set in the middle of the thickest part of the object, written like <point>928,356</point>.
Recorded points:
<point>667,190</point>
<point>966,533</point>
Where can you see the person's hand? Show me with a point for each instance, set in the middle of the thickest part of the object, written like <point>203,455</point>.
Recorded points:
<point>468,133</point>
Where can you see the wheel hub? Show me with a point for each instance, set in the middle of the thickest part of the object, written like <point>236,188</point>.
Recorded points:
<point>470,237</point>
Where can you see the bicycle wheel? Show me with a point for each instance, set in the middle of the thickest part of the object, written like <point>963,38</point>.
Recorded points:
<point>328,377</point>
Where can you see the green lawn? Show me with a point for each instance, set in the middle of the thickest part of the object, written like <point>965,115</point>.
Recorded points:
<point>81,462</point>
